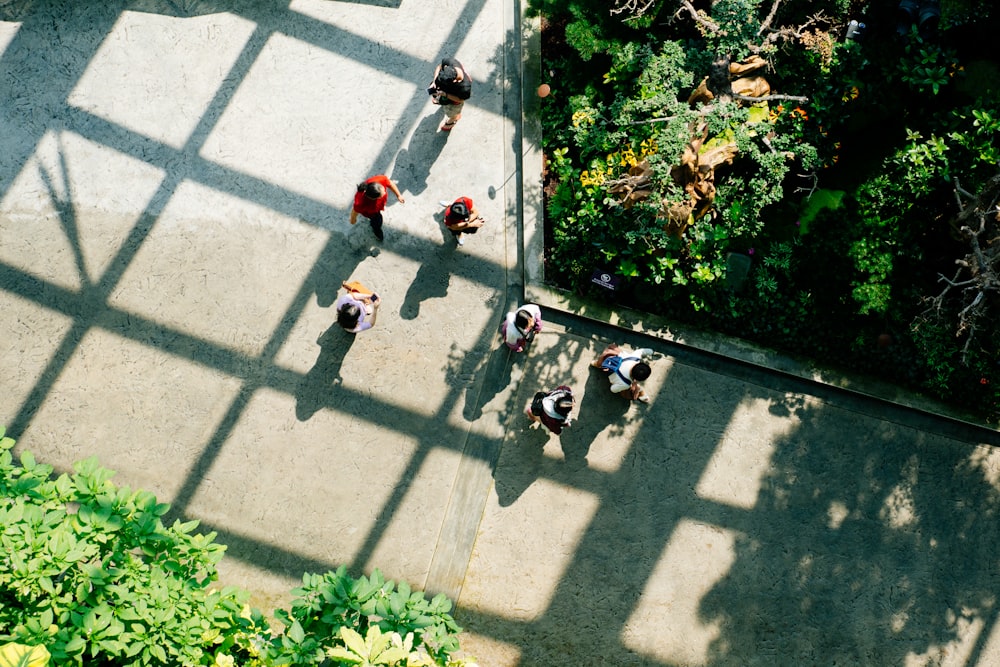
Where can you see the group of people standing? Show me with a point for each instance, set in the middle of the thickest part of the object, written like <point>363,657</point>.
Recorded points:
<point>554,409</point>
<point>450,88</point>
<point>357,310</point>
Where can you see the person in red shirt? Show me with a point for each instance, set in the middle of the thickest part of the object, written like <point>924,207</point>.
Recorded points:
<point>461,217</point>
<point>370,201</point>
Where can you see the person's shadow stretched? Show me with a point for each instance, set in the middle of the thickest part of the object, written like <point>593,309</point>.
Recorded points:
<point>318,387</point>
<point>413,163</point>
<point>432,281</point>
<point>598,408</point>
<point>521,461</point>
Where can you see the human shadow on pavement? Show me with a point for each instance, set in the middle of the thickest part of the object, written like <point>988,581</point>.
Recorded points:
<point>497,378</point>
<point>314,392</point>
<point>431,282</point>
<point>413,163</point>
<point>522,459</point>
<point>597,408</point>
<point>334,265</point>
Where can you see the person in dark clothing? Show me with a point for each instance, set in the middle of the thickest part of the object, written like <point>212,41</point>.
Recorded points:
<point>451,87</point>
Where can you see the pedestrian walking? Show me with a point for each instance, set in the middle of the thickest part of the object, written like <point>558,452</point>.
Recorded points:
<point>461,217</point>
<point>519,327</point>
<point>370,201</point>
<point>358,309</point>
<point>450,88</point>
<point>553,409</point>
<point>625,369</point>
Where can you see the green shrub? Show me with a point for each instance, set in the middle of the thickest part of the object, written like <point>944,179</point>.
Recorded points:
<point>89,572</point>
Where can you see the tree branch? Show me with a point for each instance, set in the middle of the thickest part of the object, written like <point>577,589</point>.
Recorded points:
<point>766,25</point>
<point>634,7</point>
<point>699,17</point>
<point>770,98</point>
<point>651,120</point>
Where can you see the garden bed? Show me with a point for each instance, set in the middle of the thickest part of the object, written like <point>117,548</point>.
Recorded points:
<point>842,203</point>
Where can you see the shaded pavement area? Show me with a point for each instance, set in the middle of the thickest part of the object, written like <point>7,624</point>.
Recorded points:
<point>175,184</point>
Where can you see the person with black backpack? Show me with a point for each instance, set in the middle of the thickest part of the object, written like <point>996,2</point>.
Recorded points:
<point>553,408</point>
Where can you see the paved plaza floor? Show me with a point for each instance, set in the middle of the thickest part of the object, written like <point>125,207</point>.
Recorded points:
<point>175,185</point>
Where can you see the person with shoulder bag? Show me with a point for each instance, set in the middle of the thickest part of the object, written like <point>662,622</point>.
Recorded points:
<point>450,88</point>
<point>358,309</point>
<point>519,327</point>
<point>626,370</point>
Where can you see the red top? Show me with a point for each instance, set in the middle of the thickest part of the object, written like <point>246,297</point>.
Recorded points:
<point>369,207</point>
<point>450,219</point>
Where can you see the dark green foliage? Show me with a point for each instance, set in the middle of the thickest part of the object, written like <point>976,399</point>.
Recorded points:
<point>889,123</point>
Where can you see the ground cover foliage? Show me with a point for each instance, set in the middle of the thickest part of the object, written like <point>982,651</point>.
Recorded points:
<point>745,168</point>
<point>90,575</point>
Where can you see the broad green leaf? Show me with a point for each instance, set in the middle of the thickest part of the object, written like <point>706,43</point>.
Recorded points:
<point>19,655</point>
<point>341,654</point>
<point>354,641</point>
<point>296,633</point>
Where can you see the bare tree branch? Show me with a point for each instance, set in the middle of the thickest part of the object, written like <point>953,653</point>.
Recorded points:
<point>963,191</point>
<point>812,189</point>
<point>634,7</point>
<point>766,25</point>
<point>699,17</point>
<point>770,98</point>
<point>980,266</point>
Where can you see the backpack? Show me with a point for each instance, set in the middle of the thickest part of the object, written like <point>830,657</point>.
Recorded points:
<point>613,364</point>
<point>537,408</point>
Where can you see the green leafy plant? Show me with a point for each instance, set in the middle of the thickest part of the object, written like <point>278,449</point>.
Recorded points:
<point>373,649</point>
<point>885,159</point>
<point>926,66</point>
<point>89,574</point>
<point>325,604</point>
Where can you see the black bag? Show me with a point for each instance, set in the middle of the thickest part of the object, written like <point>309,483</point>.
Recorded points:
<point>537,408</point>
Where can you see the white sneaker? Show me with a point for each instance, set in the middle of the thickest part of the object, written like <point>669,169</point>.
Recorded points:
<point>460,240</point>
<point>444,203</point>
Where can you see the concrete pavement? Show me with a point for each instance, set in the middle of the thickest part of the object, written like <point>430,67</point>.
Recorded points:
<point>175,181</point>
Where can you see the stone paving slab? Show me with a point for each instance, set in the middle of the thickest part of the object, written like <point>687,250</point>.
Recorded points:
<point>175,178</point>
<point>174,196</point>
<point>736,520</point>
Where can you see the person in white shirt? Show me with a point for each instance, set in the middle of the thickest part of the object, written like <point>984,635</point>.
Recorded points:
<point>553,408</point>
<point>626,369</point>
<point>519,327</point>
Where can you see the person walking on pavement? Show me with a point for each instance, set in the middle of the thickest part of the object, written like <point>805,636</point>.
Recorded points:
<point>370,201</point>
<point>519,327</point>
<point>358,309</point>
<point>625,370</point>
<point>451,87</point>
<point>553,408</point>
<point>462,217</point>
